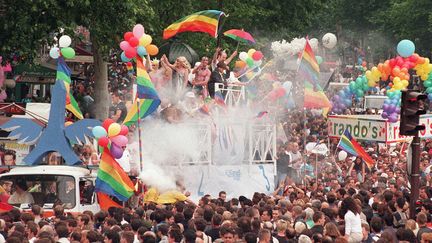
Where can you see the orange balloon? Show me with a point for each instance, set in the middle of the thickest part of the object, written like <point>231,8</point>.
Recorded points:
<point>396,71</point>
<point>404,70</point>
<point>152,50</point>
<point>380,67</point>
<point>420,60</point>
<point>240,64</point>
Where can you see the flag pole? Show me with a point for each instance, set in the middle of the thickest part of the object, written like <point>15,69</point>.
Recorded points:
<point>139,135</point>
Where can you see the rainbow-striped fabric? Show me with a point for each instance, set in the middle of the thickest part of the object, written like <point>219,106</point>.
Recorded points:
<point>204,21</point>
<point>63,74</point>
<point>146,95</point>
<point>314,96</point>
<point>112,179</point>
<point>348,144</point>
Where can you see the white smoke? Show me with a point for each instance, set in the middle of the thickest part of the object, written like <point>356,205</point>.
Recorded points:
<point>283,48</point>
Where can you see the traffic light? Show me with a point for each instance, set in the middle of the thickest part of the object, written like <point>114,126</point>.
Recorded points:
<point>412,107</point>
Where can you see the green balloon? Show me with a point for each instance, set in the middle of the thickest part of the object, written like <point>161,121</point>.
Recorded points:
<point>250,62</point>
<point>359,93</point>
<point>427,83</point>
<point>68,52</point>
<point>429,90</point>
<point>319,59</point>
<point>390,94</point>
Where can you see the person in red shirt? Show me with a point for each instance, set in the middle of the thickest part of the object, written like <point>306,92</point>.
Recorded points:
<point>5,190</point>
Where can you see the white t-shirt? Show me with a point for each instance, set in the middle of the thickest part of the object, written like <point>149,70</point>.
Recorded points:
<point>24,197</point>
<point>352,223</point>
<point>124,161</point>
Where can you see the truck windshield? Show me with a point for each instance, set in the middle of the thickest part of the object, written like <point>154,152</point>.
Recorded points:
<point>41,189</point>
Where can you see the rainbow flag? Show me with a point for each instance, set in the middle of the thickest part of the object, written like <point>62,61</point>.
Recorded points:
<point>350,145</point>
<point>146,96</point>
<point>261,114</point>
<point>219,99</point>
<point>204,21</point>
<point>314,96</point>
<point>63,74</point>
<point>112,179</point>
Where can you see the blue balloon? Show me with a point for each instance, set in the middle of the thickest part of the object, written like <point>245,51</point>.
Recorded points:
<point>405,48</point>
<point>99,131</point>
<point>430,96</point>
<point>124,58</point>
<point>141,51</point>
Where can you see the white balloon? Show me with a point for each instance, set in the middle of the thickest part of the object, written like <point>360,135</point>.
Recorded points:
<point>329,40</point>
<point>342,155</point>
<point>243,56</point>
<point>314,44</point>
<point>65,41</point>
<point>54,52</point>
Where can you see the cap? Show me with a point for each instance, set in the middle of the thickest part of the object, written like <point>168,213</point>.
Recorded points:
<point>222,65</point>
<point>384,175</point>
<point>393,154</point>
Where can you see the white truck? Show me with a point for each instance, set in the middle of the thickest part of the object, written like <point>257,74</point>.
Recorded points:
<point>50,185</point>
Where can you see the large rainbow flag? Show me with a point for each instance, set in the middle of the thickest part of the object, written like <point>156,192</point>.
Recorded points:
<point>112,179</point>
<point>204,21</point>
<point>314,96</point>
<point>351,146</point>
<point>63,74</point>
<point>146,95</point>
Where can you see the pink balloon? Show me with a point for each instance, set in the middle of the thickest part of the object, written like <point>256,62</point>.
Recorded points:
<point>257,56</point>
<point>138,30</point>
<point>133,41</point>
<point>124,129</point>
<point>124,45</point>
<point>120,140</point>
<point>130,52</point>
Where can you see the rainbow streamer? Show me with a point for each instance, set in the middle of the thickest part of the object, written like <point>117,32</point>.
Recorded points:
<point>112,179</point>
<point>314,96</point>
<point>63,74</point>
<point>147,94</point>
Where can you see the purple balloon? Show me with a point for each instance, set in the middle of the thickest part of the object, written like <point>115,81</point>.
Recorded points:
<point>393,118</point>
<point>398,110</point>
<point>116,151</point>
<point>385,107</point>
<point>391,109</point>
<point>336,98</point>
<point>384,115</point>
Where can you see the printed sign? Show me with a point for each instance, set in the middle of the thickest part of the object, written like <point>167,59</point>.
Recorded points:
<point>369,128</point>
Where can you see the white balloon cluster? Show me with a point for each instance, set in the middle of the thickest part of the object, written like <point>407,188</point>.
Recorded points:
<point>67,52</point>
<point>283,48</point>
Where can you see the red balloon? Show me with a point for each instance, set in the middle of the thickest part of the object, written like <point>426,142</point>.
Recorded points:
<point>392,62</point>
<point>364,63</point>
<point>390,85</point>
<point>130,53</point>
<point>124,130</point>
<point>133,41</point>
<point>103,141</point>
<point>257,55</point>
<point>107,123</point>
<point>128,35</point>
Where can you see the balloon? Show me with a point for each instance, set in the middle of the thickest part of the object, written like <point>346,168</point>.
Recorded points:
<point>141,51</point>
<point>258,63</point>
<point>250,62</point>
<point>116,151</point>
<point>124,130</point>
<point>99,131</point>
<point>124,57</point>
<point>54,52</point>
<point>145,40</point>
<point>319,59</point>
<point>405,48</point>
<point>352,86</point>
<point>130,53</point>
<point>103,141</point>
<point>257,56</point>
<point>138,30</point>
<point>152,50</point>
<point>124,45</point>
<point>106,124</point>
<point>65,41</point>
<point>329,40</point>
<point>68,52</point>
<point>114,130</point>
<point>251,52</point>
<point>430,96</point>
<point>393,118</point>
<point>240,64</point>
<point>384,115</point>
<point>243,56</point>
<point>128,35</point>
<point>133,41</point>
<point>120,140</point>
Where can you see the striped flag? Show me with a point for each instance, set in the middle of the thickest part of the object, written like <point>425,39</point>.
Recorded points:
<point>146,95</point>
<point>350,145</point>
<point>219,99</point>
<point>314,96</point>
<point>206,21</point>
<point>64,74</point>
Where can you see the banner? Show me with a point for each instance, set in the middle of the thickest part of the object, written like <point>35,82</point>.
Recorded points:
<point>21,150</point>
<point>373,128</point>
<point>235,180</point>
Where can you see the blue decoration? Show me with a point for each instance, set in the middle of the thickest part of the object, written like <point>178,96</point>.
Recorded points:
<point>141,51</point>
<point>124,58</point>
<point>54,137</point>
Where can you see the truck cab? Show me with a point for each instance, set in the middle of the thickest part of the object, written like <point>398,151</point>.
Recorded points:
<point>51,185</point>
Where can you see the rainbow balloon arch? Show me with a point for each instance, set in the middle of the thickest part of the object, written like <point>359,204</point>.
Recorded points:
<point>397,71</point>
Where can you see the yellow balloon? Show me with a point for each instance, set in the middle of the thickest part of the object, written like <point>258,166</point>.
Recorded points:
<point>397,86</point>
<point>145,40</point>
<point>374,69</point>
<point>405,83</point>
<point>396,80</point>
<point>114,129</point>
<point>251,52</point>
<point>424,77</point>
<point>371,83</point>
